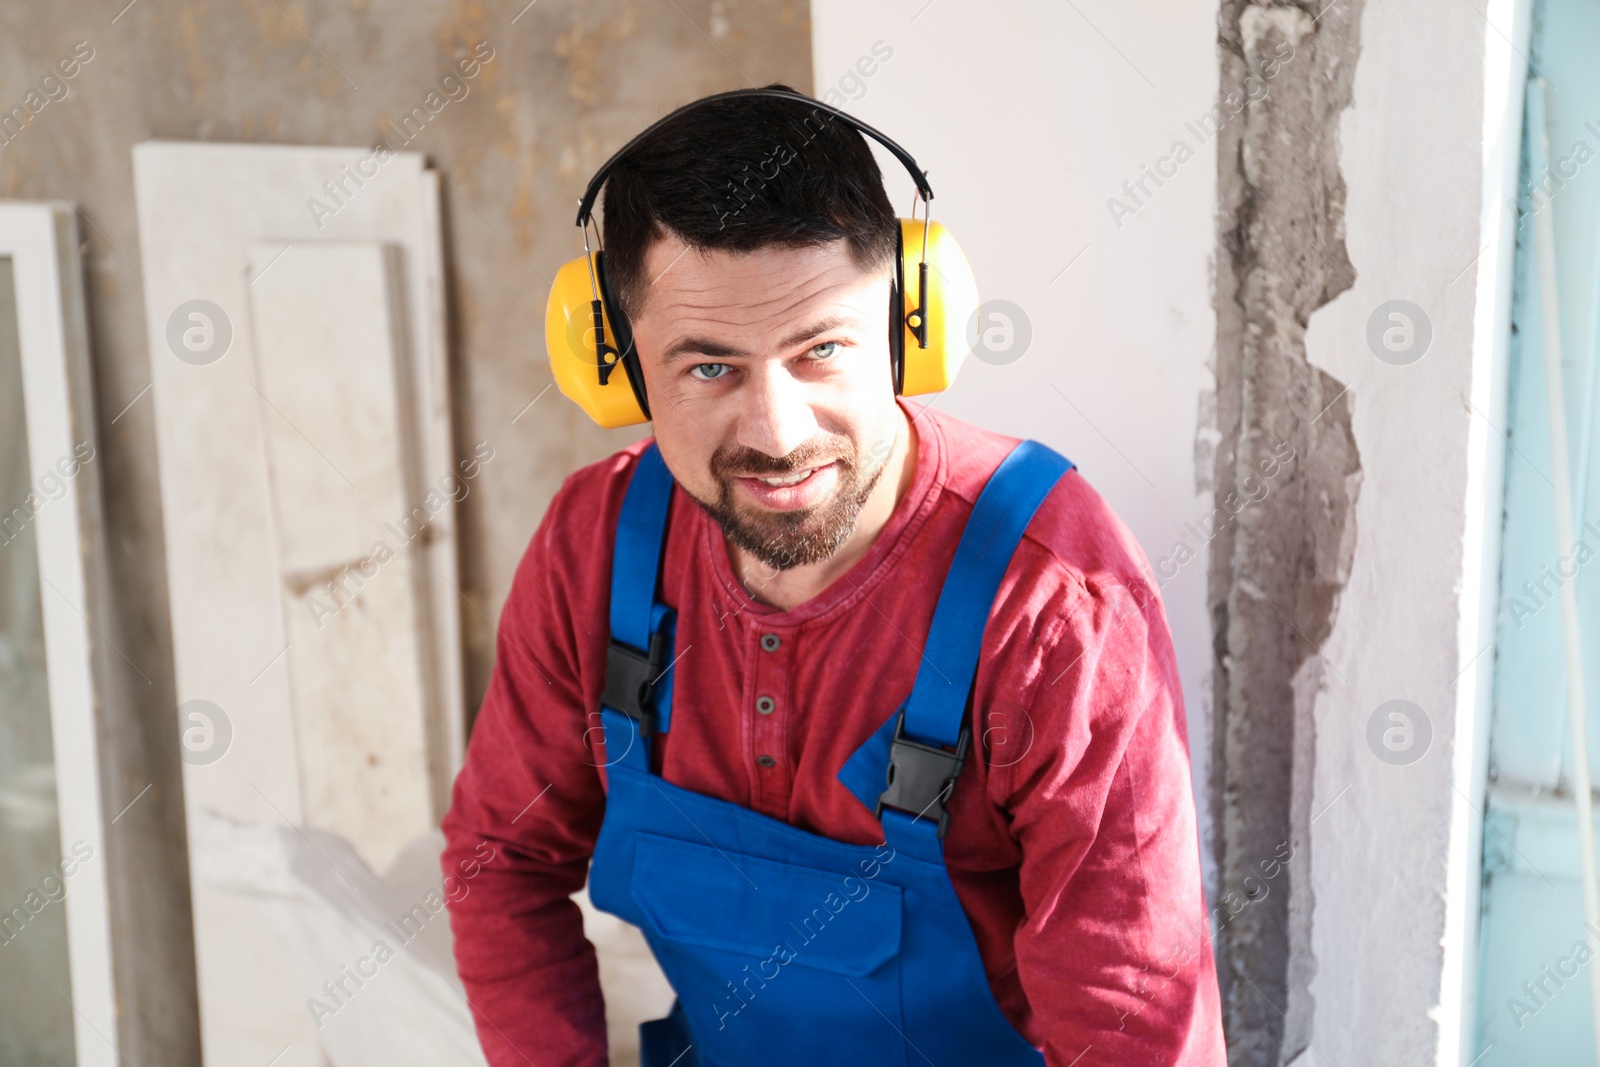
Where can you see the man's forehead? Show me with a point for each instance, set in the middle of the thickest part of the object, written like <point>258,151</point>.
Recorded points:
<point>770,283</point>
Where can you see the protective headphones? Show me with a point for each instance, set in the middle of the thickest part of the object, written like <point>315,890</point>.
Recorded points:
<point>588,336</point>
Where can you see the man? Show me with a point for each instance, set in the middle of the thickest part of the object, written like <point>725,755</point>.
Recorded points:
<point>1047,907</point>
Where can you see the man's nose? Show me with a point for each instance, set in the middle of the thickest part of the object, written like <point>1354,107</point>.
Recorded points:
<point>777,418</point>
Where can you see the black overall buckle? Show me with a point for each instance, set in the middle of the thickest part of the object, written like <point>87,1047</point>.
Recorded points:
<point>631,679</point>
<point>921,777</point>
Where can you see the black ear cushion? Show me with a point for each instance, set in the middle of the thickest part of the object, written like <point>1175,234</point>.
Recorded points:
<point>623,329</point>
<point>897,316</point>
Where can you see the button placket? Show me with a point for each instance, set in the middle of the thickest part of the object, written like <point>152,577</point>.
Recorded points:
<point>768,753</point>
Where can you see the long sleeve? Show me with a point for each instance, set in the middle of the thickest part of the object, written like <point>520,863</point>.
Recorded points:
<point>1114,951</point>
<point>529,797</point>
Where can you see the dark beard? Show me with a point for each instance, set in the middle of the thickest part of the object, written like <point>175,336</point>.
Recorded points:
<point>796,538</point>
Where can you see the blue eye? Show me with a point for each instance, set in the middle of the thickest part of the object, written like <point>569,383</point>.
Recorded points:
<point>716,370</point>
<point>817,350</point>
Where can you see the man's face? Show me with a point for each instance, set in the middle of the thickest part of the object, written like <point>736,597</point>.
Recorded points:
<point>770,389</point>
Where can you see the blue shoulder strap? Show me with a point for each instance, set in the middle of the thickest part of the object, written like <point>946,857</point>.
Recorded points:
<point>636,557</point>
<point>907,753</point>
<point>636,699</point>
<point>1007,504</point>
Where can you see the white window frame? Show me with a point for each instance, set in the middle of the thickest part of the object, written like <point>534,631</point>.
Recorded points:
<point>42,241</point>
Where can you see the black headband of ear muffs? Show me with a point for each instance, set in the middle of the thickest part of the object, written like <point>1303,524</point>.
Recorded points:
<point>592,192</point>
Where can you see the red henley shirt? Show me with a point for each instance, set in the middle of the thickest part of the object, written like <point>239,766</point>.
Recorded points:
<point>1072,844</point>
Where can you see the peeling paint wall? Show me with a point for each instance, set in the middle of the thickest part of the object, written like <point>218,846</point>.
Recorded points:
<point>569,81</point>
<point>1362,284</point>
<point>1286,445</point>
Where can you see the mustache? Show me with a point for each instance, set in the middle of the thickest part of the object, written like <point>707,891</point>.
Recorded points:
<point>726,462</point>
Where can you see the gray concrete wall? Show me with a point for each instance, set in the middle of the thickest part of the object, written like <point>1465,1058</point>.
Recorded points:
<point>568,82</point>
<point>1286,445</point>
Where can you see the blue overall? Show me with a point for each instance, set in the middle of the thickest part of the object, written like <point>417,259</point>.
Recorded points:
<point>784,946</point>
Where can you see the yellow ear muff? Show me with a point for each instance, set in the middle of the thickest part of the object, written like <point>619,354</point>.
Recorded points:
<point>952,300</point>
<point>569,337</point>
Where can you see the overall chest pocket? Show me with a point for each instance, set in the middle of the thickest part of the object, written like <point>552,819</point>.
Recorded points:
<point>774,963</point>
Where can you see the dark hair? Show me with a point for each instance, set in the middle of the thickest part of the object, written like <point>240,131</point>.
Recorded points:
<point>742,174</point>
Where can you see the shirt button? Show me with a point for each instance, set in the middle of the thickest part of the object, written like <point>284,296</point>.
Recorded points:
<point>765,705</point>
<point>770,642</point>
<point>767,761</point>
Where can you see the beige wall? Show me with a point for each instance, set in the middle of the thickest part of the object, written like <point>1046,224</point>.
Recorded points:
<point>568,82</point>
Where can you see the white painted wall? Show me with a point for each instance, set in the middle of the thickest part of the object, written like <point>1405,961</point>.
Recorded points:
<point>1028,118</point>
<point>1430,158</point>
